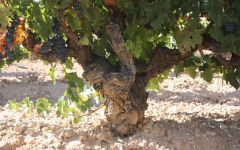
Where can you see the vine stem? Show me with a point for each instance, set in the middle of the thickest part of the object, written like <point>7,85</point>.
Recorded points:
<point>93,111</point>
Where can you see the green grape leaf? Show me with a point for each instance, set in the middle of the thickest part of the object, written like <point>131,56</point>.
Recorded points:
<point>191,71</point>
<point>207,75</point>
<point>139,41</point>
<point>75,86</point>
<point>26,101</point>
<point>154,83</point>
<point>62,108</point>
<point>14,105</point>
<point>157,13</point>
<point>69,63</point>
<point>187,39</point>
<point>6,14</point>
<point>52,73</point>
<point>135,47</point>
<point>84,41</point>
<point>73,19</point>
<point>28,104</point>
<point>232,79</point>
<point>43,106</point>
<point>76,120</point>
<point>179,69</point>
<point>73,80</point>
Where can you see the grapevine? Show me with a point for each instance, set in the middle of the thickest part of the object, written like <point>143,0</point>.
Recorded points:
<point>125,47</point>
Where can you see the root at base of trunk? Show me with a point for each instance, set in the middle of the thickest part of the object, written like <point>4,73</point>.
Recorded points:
<point>124,117</point>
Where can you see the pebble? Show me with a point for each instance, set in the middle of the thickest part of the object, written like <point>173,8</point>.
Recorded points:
<point>4,145</point>
<point>18,128</point>
<point>104,136</point>
<point>67,133</point>
<point>117,146</point>
<point>73,145</point>
<point>30,140</point>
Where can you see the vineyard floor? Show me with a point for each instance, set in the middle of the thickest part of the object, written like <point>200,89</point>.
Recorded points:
<point>186,114</point>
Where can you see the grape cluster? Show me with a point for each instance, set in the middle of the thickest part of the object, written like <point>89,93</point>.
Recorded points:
<point>8,52</point>
<point>1,57</point>
<point>11,30</point>
<point>56,43</point>
<point>10,36</point>
<point>60,47</point>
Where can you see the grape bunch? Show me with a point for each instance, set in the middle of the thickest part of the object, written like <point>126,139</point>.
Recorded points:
<point>8,52</point>
<point>60,47</point>
<point>11,30</point>
<point>1,57</point>
<point>56,43</point>
<point>10,36</point>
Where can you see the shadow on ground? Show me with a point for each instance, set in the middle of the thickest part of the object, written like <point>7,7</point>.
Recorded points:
<point>194,134</point>
<point>202,96</point>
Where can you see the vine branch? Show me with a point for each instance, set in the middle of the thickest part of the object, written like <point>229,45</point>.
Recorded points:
<point>118,45</point>
<point>164,58</point>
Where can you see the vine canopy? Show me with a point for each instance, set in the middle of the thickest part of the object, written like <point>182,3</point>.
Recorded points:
<point>150,29</point>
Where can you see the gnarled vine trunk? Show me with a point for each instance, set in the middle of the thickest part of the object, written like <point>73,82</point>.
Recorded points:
<point>124,89</point>
<point>126,112</point>
<point>126,100</point>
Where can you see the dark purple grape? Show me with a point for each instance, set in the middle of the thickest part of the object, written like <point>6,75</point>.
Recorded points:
<point>47,47</point>
<point>11,30</point>
<point>8,52</point>
<point>10,37</point>
<point>60,47</point>
<point>1,56</point>
<point>56,43</point>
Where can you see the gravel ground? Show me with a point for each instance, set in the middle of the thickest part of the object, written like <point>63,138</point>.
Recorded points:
<point>187,114</point>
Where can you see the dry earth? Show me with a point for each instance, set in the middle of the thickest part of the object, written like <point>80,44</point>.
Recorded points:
<point>186,114</point>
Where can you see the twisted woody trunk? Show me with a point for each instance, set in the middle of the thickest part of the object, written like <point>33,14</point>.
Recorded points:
<point>124,89</point>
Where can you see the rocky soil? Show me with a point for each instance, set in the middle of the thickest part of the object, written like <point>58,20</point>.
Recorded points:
<point>187,114</point>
